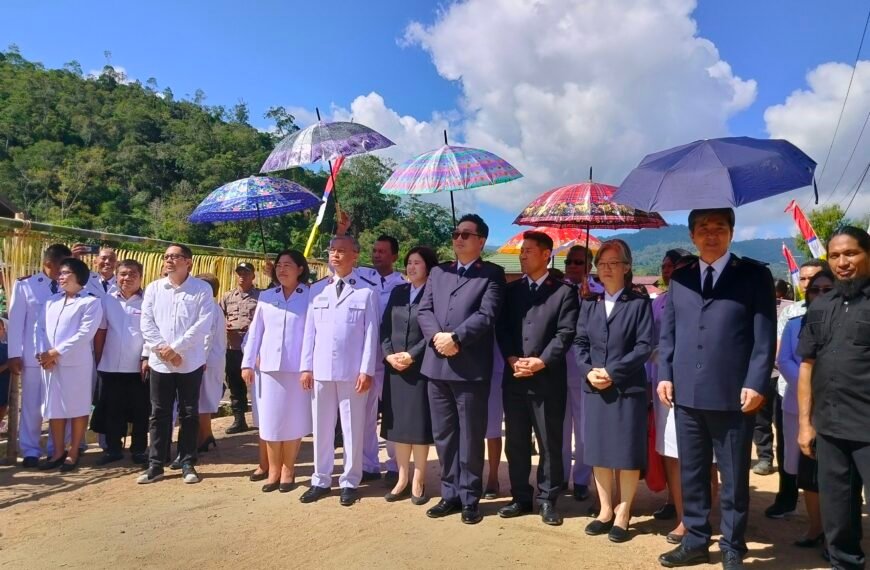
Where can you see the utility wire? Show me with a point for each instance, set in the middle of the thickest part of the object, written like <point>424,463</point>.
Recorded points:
<point>857,187</point>
<point>845,99</point>
<point>851,155</point>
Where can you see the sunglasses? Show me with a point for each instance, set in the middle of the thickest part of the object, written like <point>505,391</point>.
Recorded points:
<point>464,235</point>
<point>817,290</point>
<point>575,262</point>
<point>173,256</point>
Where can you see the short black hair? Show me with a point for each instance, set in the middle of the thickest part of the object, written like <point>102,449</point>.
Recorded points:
<point>781,286</point>
<point>79,268</point>
<point>815,263</point>
<point>580,249</point>
<point>675,254</point>
<point>542,239</point>
<point>727,213</point>
<point>131,263</point>
<point>212,280</point>
<point>482,228</point>
<point>859,235</point>
<point>56,252</point>
<point>823,274</point>
<point>430,258</point>
<point>394,243</point>
<point>298,259</point>
<point>184,249</point>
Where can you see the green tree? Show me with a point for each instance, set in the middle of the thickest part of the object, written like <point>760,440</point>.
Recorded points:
<point>824,220</point>
<point>284,121</point>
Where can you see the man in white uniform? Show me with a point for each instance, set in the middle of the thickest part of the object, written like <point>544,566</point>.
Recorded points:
<point>28,296</point>
<point>339,352</point>
<point>383,278</point>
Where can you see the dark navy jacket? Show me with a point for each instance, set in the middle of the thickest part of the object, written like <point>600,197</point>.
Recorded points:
<point>711,349</point>
<point>468,306</point>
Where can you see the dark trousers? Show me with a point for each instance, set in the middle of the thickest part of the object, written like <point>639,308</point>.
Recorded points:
<point>165,388</point>
<point>125,398</point>
<point>729,435</point>
<point>238,389</point>
<point>787,495</point>
<point>525,410</point>
<point>843,466</point>
<point>459,412</point>
<point>763,433</point>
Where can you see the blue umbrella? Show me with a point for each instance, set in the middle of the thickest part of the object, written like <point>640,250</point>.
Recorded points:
<point>252,198</point>
<point>715,173</point>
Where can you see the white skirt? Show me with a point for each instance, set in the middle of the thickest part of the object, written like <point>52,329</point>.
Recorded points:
<point>68,391</point>
<point>212,388</point>
<point>283,407</point>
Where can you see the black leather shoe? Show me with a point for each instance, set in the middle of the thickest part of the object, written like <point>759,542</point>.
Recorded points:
<point>421,500</point>
<point>618,534</point>
<point>514,509</point>
<point>110,458</point>
<point>139,458</point>
<point>286,487</point>
<point>549,515</point>
<point>314,493</point>
<point>403,494</point>
<point>370,476</point>
<point>209,442</point>
<point>49,464</point>
<point>674,538</point>
<point>665,513</point>
<point>30,463</point>
<point>581,492</point>
<point>442,509</point>
<point>239,425</point>
<point>681,556</point>
<point>731,560</point>
<point>810,542</point>
<point>71,466</point>
<point>597,527</point>
<point>471,515</point>
<point>269,487</point>
<point>490,493</point>
<point>176,463</point>
<point>349,496</point>
<point>262,476</point>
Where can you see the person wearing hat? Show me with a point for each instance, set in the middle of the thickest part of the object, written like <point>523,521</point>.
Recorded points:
<point>238,307</point>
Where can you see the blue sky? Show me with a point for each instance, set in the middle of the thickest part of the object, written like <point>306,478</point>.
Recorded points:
<point>299,54</point>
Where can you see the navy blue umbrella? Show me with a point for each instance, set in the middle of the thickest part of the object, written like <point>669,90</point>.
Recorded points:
<point>715,173</point>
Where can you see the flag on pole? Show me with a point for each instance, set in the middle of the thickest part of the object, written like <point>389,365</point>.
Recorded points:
<point>793,269</point>
<point>330,185</point>
<point>806,230</point>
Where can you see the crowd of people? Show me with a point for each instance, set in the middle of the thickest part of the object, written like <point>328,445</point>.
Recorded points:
<point>449,352</point>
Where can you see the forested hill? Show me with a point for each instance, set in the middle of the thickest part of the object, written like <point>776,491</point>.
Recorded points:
<point>116,155</point>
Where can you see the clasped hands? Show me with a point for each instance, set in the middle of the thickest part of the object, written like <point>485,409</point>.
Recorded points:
<point>400,361</point>
<point>166,354</point>
<point>599,378</point>
<point>48,359</point>
<point>444,345</point>
<point>750,400</point>
<point>526,366</point>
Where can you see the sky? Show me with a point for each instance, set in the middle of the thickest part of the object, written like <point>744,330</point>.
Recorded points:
<point>553,86</point>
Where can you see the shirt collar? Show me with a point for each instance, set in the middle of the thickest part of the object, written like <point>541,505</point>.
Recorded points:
<point>117,294</point>
<point>614,297</point>
<point>467,266</point>
<point>539,281</point>
<point>718,265</point>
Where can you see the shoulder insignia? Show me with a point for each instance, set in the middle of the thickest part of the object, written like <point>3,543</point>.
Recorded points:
<point>548,282</point>
<point>277,290</point>
<point>478,265</point>
<point>352,281</point>
<point>331,281</point>
<point>321,279</point>
<point>299,289</point>
<point>372,283</point>
<point>40,279</point>
<point>25,277</point>
<point>91,294</point>
<point>623,297</point>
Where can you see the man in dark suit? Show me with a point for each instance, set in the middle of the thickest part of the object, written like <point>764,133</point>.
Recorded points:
<point>534,332</point>
<point>457,315</point>
<point>716,351</point>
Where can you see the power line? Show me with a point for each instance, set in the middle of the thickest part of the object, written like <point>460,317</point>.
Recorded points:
<point>845,99</point>
<point>851,155</point>
<point>857,187</point>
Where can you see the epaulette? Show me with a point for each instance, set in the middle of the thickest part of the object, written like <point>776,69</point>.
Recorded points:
<point>25,277</point>
<point>754,261</point>
<point>321,279</point>
<point>366,280</point>
<point>446,264</point>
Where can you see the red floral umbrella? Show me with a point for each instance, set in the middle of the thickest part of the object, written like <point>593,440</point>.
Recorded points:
<point>587,205</point>
<point>563,239</point>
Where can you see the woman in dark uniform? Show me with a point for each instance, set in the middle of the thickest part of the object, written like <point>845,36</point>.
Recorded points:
<point>614,339</point>
<point>406,420</point>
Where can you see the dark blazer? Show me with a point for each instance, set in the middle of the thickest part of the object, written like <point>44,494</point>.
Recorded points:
<point>620,343</point>
<point>468,306</point>
<point>541,325</point>
<point>711,349</point>
<point>400,331</point>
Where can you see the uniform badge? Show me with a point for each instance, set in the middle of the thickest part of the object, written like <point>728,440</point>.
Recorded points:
<point>278,290</point>
<point>548,282</point>
<point>477,265</point>
<point>352,281</point>
<point>38,279</point>
<point>330,281</point>
<point>733,262</point>
<point>299,289</point>
<point>623,297</point>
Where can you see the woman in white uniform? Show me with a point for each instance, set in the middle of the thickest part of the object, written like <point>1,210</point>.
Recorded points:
<point>64,331</point>
<point>212,387</point>
<point>275,337</point>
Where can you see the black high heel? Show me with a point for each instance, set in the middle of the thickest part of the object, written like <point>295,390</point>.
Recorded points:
<point>807,542</point>
<point>421,500</point>
<point>67,467</point>
<point>209,441</point>
<point>48,464</point>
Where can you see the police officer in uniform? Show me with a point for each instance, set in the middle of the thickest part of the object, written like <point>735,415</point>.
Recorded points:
<point>238,306</point>
<point>28,297</point>
<point>383,278</point>
<point>339,352</point>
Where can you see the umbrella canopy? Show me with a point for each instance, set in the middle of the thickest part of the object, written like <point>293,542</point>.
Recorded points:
<point>252,198</point>
<point>563,240</point>
<point>716,173</point>
<point>586,205</point>
<point>324,141</point>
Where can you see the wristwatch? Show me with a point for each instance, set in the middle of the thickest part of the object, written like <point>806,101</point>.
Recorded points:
<point>455,338</point>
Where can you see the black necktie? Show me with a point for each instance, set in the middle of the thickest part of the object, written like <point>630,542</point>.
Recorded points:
<point>339,287</point>
<point>533,287</point>
<point>105,286</point>
<point>53,286</point>
<point>707,291</point>
<point>461,272</point>
<point>383,281</point>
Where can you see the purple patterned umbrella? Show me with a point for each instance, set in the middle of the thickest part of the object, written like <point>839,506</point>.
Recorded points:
<point>324,141</point>
<point>252,198</point>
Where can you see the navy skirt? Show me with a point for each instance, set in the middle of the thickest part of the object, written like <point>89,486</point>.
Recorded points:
<point>616,429</point>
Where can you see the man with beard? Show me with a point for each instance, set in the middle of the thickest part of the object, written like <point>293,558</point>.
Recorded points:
<point>834,393</point>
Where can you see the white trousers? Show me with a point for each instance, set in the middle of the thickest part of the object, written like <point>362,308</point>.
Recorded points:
<point>581,474</point>
<point>30,426</point>
<point>331,399</point>
<point>371,446</point>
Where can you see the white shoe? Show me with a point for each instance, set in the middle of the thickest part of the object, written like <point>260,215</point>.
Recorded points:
<point>189,474</point>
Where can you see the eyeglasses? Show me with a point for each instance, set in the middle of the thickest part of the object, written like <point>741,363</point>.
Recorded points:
<point>817,290</point>
<point>174,256</point>
<point>609,265</point>
<point>65,272</point>
<point>464,235</point>
<point>575,262</point>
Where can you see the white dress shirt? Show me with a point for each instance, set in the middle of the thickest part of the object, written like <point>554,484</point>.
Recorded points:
<point>122,350</point>
<point>610,300</point>
<point>539,281</point>
<point>178,317</point>
<point>415,291</point>
<point>718,267</point>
